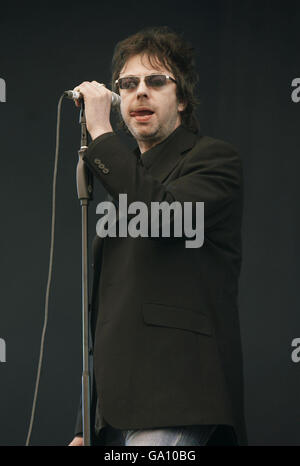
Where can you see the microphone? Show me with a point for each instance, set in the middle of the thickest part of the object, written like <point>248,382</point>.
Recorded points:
<point>115,98</point>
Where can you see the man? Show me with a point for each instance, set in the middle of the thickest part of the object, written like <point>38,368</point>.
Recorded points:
<point>167,352</point>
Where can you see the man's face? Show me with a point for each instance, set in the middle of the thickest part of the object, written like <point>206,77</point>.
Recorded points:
<point>149,129</point>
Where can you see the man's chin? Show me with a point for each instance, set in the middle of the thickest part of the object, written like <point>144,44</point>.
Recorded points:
<point>144,133</point>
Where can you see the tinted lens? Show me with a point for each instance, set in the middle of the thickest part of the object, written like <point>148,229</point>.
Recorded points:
<point>156,80</point>
<point>128,83</point>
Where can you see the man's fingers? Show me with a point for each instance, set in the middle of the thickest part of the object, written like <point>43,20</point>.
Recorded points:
<point>95,83</point>
<point>97,100</point>
<point>87,87</point>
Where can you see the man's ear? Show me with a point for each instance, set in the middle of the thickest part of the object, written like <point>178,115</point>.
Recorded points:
<point>181,106</point>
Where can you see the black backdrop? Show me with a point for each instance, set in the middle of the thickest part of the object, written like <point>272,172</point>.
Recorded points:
<point>247,55</point>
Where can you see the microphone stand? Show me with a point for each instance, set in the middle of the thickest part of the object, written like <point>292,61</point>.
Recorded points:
<point>84,191</point>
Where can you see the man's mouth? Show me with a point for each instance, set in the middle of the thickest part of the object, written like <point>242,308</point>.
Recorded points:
<point>141,114</point>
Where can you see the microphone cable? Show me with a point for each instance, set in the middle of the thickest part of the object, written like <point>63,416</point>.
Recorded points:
<point>70,95</point>
<point>49,270</point>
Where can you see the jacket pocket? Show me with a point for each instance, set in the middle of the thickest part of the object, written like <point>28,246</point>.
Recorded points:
<point>181,318</point>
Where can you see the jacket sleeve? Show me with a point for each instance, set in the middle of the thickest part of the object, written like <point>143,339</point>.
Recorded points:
<point>211,173</point>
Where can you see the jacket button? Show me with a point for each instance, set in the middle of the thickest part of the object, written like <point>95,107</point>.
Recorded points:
<point>101,165</point>
<point>105,170</point>
<point>97,161</point>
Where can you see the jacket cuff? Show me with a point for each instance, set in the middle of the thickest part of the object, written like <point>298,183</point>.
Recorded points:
<point>100,138</point>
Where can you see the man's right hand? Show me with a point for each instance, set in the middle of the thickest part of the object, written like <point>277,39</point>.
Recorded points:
<point>76,442</point>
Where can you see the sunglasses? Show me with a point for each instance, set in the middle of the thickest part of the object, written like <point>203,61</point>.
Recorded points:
<point>152,80</point>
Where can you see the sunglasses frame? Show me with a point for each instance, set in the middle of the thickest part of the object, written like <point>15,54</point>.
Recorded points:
<point>147,76</point>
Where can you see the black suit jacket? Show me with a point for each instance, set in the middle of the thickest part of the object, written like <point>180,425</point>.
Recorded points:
<point>167,347</point>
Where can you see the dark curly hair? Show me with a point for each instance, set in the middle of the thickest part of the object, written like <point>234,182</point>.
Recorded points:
<point>162,46</point>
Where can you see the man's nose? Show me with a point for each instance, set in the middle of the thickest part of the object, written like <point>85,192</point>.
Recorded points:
<point>142,89</point>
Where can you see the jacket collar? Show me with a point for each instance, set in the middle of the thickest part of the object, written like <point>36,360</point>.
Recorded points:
<point>162,158</point>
